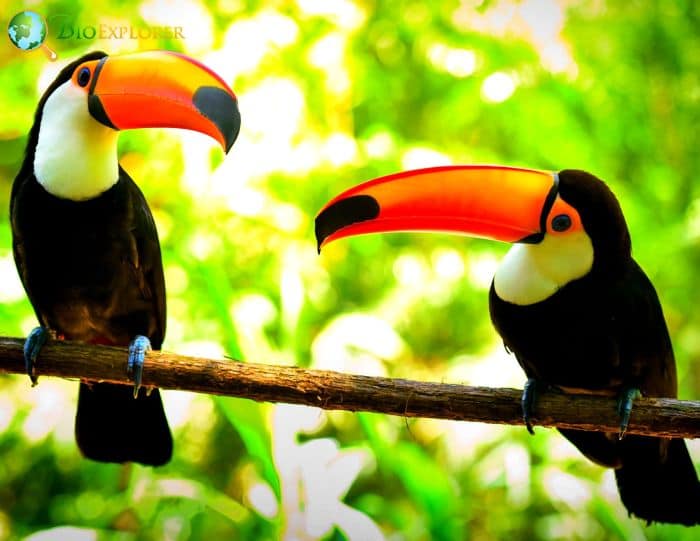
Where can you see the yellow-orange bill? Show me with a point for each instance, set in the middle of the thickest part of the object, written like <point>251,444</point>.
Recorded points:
<point>160,89</point>
<point>494,202</point>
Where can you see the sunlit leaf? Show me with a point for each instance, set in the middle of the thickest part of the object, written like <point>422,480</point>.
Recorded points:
<point>248,419</point>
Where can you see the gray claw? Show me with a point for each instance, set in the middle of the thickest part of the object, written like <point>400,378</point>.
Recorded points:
<point>530,392</point>
<point>138,348</point>
<point>624,407</point>
<point>32,346</point>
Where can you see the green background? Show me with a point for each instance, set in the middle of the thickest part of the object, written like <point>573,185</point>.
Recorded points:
<point>334,92</point>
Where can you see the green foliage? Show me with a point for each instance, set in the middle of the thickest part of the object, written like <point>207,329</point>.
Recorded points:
<point>333,93</point>
<point>246,416</point>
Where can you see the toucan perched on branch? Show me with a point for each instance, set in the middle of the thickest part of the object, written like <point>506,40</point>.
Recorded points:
<point>568,299</point>
<point>84,239</point>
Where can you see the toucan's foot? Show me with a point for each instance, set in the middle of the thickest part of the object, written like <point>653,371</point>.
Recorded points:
<point>531,391</point>
<point>137,352</point>
<point>32,346</point>
<point>624,407</point>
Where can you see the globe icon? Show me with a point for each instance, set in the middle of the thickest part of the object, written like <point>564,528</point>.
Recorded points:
<point>27,30</point>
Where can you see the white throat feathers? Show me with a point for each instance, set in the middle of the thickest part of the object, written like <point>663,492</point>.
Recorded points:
<point>76,156</point>
<point>531,273</point>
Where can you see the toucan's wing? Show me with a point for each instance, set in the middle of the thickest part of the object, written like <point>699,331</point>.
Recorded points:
<point>646,352</point>
<point>18,248</point>
<point>146,259</point>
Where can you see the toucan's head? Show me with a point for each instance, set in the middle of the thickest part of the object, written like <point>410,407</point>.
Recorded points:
<point>564,225</point>
<point>74,132</point>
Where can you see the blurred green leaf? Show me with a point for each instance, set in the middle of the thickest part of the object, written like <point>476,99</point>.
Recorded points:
<point>248,419</point>
<point>423,479</point>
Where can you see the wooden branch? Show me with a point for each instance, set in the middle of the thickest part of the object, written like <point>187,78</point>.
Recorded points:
<point>336,391</point>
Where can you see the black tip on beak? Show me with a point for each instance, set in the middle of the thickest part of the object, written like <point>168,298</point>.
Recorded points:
<point>342,213</point>
<point>222,109</point>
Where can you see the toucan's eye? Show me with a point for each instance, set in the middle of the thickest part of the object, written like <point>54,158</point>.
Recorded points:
<point>561,222</point>
<point>84,76</point>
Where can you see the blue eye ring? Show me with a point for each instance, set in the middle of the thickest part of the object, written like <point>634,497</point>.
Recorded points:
<point>561,222</point>
<point>84,76</point>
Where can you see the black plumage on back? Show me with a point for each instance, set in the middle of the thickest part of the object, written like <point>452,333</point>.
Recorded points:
<point>93,273</point>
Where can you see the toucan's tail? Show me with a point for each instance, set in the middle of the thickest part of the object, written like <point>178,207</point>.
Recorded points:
<point>113,426</point>
<point>657,480</point>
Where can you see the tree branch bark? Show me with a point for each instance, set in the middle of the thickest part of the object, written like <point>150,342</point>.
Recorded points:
<point>336,391</point>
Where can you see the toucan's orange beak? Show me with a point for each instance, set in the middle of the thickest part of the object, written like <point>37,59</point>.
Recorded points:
<point>501,203</point>
<point>160,89</point>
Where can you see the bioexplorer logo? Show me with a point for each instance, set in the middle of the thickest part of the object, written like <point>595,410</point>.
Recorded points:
<point>27,31</point>
<point>68,28</point>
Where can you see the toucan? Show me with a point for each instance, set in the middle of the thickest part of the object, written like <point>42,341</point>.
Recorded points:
<point>84,239</point>
<point>568,300</point>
